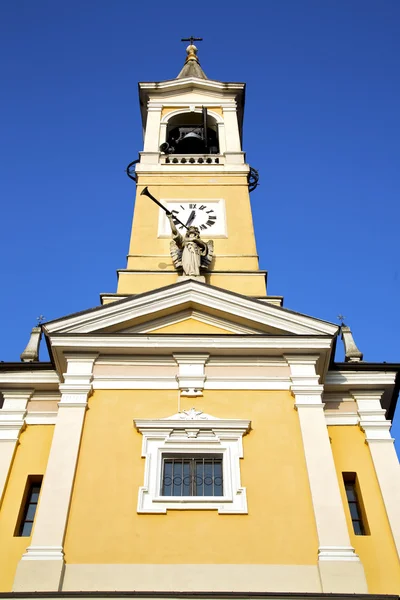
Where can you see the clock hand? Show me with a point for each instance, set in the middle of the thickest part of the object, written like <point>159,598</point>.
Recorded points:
<point>191,218</point>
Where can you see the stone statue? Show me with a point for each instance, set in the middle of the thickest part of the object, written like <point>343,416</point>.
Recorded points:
<point>189,252</point>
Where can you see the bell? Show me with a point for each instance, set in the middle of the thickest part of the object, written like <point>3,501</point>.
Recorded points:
<point>192,134</point>
<point>191,143</point>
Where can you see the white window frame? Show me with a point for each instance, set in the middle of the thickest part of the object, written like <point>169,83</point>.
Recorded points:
<point>189,433</point>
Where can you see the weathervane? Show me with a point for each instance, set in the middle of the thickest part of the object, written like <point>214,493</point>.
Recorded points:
<point>191,39</point>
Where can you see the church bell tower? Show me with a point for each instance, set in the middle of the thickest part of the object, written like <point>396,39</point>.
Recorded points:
<point>191,438</point>
<point>193,162</point>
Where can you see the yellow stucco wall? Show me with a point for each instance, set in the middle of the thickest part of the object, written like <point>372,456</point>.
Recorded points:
<point>149,264</point>
<point>191,326</point>
<point>377,550</point>
<point>30,459</point>
<point>233,190</point>
<point>104,527</point>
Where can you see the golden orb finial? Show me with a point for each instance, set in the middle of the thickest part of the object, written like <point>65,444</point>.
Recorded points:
<point>191,52</point>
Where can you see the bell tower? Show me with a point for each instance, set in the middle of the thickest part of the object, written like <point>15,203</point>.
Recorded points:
<point>193,163</point>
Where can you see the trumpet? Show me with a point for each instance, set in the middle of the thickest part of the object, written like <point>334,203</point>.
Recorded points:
<point>145,192</point>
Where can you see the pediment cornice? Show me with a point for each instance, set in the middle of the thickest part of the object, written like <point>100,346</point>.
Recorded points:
<point>120,315</point>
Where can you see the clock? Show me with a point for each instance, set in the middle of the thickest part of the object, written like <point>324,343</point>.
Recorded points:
<point>207,215</point>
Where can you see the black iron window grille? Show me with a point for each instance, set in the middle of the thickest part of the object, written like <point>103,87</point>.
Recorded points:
<point>192,476</point>
<point>357,517</point>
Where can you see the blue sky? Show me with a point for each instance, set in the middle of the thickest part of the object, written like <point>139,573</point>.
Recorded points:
<point>322,125</point>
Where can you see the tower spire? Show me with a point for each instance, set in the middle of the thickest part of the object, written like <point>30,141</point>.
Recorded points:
<point>192,66</point>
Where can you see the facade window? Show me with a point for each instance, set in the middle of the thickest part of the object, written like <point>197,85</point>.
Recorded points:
<point>29,506</point>
<point>192,462</point>
<point>192,476</point>
<point>353,498</point>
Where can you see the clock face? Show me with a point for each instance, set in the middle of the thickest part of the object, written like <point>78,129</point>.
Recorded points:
<point>208,216</point>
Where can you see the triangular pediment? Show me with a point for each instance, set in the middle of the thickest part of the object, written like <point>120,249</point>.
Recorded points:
<point>200,305</point>
<point>191,322</point>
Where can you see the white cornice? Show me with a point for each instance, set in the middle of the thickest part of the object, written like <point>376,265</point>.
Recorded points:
<point>356,378</point>
<point>178,297</point>
<point>207,422</point>
<point>119,343</point>
<point>191,83</point>
<point>171,383</point>
<point>31,378</point>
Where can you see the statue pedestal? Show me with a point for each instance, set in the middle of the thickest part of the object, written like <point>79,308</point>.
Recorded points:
<point>200,278</point>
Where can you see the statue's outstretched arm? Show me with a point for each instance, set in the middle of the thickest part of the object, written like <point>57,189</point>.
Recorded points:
<point>172,224</point>
<point>175,233</point>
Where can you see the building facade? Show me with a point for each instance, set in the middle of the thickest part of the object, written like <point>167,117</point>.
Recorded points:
<point>190,434</point>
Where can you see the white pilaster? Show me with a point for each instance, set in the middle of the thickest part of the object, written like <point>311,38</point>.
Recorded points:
<point>41,567</point>
<point>221,138</point>
<point>12,421</point>
<point>152,128</point>
<point>340,567</point>
<point>232,137</point>
<point>163,134</point>
<point>377,435</point>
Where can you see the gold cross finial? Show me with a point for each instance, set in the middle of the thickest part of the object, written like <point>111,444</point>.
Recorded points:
<point>191,50</point>
<point>191,39</point>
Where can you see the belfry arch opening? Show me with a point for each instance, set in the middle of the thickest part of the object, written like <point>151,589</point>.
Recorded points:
<point>191,133</point>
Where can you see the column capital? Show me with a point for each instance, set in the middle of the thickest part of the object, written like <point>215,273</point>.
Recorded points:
<point>367,395</point>
<point>301,359</point>
<point>77,379</point>
<point>13,412</point>
<point>372,416</point>
<point>303,373</point>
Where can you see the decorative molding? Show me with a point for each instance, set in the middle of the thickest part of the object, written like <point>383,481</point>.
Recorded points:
<point>13,412</point>
<point>191,415</point>
<point>372,416</point>
<point>32,378</point>
<point>126,382</point>
<point>162,342</point>
<point>341,553</point>
<point>185,109</point>
<point>190,291</point>
<point>77,380</point>
<point>192,432</point>
<point>305,382</point>
<point>191,376</point>
<point>356,378</point>
<point>341,418</point>
<point>43,553</point>
<point>41,418</point>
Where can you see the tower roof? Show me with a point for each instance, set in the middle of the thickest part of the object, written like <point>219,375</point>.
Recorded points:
<point>192,67</point>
